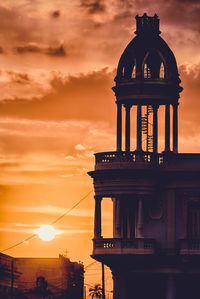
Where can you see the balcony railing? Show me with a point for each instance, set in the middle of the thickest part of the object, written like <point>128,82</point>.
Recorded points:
<point>126,159</point>
<point>137,160</point>
<point>123,246</point>
<point>189,246</point>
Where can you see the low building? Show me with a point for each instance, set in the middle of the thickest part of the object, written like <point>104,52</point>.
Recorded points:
<point>40,278</point>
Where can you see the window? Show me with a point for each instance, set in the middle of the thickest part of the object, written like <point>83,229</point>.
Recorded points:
<point>162,71</point>
<point>133,76</point>
<point>147,72</point>
<point>194,220</point>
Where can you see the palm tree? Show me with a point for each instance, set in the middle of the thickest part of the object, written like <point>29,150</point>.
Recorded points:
<point>96,291</point>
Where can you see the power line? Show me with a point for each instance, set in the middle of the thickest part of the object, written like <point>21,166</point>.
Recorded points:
<point>19,243</point>
<point>73,207</point>
<point>55,221</point>
<point>90,265</point>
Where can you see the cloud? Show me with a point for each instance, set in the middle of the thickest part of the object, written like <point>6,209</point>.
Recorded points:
<point>22,85</point>
<point>94,6</point>
<point>20,78</point>
<point>16,25</point>
<point>82,97</point>
<point>189,102</point>
<point>48,209</point>
<point>55,14</point>
<point>27,49</point>
<point>59,51</point>
<point>79,147</point>
<point>43,49</point>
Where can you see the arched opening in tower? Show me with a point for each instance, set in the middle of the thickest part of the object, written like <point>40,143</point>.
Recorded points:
<point>162,71</point>
<point>153,66</point>
<point>133,76</point>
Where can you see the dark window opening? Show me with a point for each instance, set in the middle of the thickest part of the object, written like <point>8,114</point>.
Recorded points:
<point>194,220</point>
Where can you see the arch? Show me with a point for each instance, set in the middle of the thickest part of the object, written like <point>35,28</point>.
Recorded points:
<point>123,72</point>
<point>153,65</point>
<point>133,76</point>
<point>162,71</point>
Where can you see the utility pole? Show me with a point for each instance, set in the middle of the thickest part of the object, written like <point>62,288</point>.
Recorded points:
<point>12,279</point>
<point>84,293</point>
<point>103,281</point>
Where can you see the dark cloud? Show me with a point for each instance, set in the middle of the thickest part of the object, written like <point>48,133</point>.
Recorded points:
<point>51,51</point>
<point>59,51</point>
<point>183,14</point>
<point>122,15</point>
<point>94,6</point>
<point>55,14</point>
<point>1,50</point>
<point>27,49</point>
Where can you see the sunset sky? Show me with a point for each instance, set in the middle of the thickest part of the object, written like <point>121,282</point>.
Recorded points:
<point>57,64</point>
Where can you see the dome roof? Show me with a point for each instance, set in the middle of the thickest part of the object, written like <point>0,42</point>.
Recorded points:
<point>147,56</point>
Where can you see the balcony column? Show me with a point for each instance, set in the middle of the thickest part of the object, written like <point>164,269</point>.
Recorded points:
<point>167,128</point>
<point>97,217</point>
<point>119,127</point>
<point>139,128</point>
<point>170,290</point>
<point>140,218</point>
<point>116,213</point>
<point>175,128</point>
<point>127,133</point>
<point>155,128</point>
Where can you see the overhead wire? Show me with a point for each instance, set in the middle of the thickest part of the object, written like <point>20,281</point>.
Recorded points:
<point>53,222</point>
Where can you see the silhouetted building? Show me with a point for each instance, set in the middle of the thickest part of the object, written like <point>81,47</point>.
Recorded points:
<point>48,278</point>
<point>155,249</point>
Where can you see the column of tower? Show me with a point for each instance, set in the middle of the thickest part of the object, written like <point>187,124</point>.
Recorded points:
<point>167,147</point>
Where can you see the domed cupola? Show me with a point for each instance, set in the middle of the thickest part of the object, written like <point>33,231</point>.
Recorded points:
<point>147,74</point>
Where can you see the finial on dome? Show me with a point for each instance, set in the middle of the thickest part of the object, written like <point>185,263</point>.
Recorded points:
<point>146,24</point>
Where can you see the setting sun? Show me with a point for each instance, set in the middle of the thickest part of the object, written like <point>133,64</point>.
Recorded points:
<point>46,232</point>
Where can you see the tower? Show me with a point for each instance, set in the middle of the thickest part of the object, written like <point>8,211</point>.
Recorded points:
<point>155,248</point>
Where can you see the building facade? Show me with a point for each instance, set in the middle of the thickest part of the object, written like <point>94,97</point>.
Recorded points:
<point>50,278</point>
<point>155,248</point>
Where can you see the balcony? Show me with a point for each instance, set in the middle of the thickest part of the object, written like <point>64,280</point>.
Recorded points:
<point>122,160</point>
<point>123,246</point>
<point>147,160</point>
<point>189,246</point>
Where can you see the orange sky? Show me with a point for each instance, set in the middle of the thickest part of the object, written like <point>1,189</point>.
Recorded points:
<point>58,61</point>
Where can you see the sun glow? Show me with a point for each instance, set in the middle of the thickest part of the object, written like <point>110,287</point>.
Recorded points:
<point>46,232</point>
